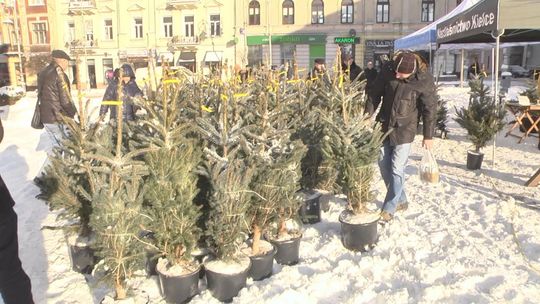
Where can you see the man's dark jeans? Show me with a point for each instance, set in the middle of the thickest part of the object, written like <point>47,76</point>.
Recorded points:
<point>14,283</point>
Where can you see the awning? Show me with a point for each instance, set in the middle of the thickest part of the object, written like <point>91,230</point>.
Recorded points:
<point>186,57</point>
<point>213,56</point>
<point>133,53</point>
<point>424,37</point>
<point>167,56</point>
<point>514,20</point>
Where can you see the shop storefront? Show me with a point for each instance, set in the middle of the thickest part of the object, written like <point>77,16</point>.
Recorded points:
<point>284,48</point>
<point>347,46</point>
<point>377,48</point>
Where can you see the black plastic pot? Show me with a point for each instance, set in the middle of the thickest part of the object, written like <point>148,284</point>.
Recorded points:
<point>288,252</point>
<point>179,289</point>
<point>199,257</point>
<point>358,237</point>
<point>225,287</point>
<point>474,160</point>
<point>151,262</point>
<point>324,200</point>
<point>82,258</point>
<point>310,210</point>
<point>261,265</point>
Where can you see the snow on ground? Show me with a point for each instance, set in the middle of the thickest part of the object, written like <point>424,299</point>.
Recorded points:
<point>474,237</point>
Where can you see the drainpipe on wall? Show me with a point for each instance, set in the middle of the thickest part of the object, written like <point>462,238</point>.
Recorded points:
<point>234,34</point>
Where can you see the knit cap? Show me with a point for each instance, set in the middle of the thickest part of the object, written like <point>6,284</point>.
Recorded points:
<point>405,63</point>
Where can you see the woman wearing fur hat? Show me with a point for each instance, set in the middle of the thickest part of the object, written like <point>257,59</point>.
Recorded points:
<point>407,90</point>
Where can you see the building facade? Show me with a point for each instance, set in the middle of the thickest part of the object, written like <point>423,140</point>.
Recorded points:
<point>104,34</point>
<point>10,39</point>
<point>271,31</point>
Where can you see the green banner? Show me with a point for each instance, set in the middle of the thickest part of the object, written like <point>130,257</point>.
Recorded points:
<point>347,40</point>
<point>292,39</point>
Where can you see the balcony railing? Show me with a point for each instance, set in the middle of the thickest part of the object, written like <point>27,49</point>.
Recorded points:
<point>81,5</point>
<point>179,41</point>
<point>179,4</point>
<point>82,44</point>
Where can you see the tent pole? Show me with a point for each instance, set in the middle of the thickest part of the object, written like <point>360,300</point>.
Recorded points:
<point>496,93</point>
<point>462,68</point>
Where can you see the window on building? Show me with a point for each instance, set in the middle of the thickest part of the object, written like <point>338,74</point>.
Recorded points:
<point>254,13</point>
<point>71,31</point>
<point>347,11</point>
<point>215,25</point>
<point>189,22</point>
<point>138,28</point>
<point>167,27</point>
<point>89,29</point>
<point>383,11</point>
<point>108,29</point>
<point>317,12</point>
<point>287,52</point>
<point>39,33</point>
<point>428,10</point>
<point>288,12</point>
<point>36,2</point>
<point>255,55</point>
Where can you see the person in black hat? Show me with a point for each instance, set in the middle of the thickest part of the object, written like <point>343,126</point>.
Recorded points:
<point>318,69</point>
<point>54,95</point>
<point>15,286</point>
<point>407,89</point>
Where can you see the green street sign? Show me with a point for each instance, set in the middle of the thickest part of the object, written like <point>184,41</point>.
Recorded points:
<point>292,39</point>
<point>347,40</point>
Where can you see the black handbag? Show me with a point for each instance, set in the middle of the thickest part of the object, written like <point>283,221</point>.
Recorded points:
<point>36,119</point>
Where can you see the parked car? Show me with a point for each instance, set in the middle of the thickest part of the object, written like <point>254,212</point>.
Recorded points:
<point>518,71</point>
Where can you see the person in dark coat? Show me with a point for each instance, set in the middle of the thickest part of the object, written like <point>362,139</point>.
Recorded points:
<point>54,91</point>
<point>129,91</point>
<point>371,74</point>
<point>318,70</point>
<point>406,87</point>
<point>474,69</point>
<point>350,67</point>
<point>15,286</point>
<point>54,95</point>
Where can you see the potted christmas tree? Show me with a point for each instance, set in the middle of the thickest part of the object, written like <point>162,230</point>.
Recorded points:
<point>67,186</point>
<point>482,118</point>
<point>222,126</point>
<point>170,189</point>
<point>276,158</point>
<point>353,143</point>
<point>118,170</point>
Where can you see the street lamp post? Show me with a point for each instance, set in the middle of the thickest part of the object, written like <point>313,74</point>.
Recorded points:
<point>269,34</point>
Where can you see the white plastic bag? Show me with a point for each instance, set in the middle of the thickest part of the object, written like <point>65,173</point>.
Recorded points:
<point>429,170</point>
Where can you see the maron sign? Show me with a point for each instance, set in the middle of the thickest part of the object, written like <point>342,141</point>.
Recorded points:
<point>480,18</point>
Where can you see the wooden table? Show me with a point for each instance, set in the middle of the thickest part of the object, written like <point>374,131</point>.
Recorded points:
<point>522,112</point>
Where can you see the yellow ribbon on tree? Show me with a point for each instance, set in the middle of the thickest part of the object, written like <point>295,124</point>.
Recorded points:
<point>171,81</point>
<point>207,109</point>
<point>111,102</point>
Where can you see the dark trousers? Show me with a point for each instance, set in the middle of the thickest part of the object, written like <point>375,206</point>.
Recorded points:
<point>14,283</point>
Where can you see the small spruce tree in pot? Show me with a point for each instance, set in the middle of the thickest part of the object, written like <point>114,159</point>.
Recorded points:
<point>353,143</point>
<point>170,191</point>
<point>222,127</point>
<point>483,118</point>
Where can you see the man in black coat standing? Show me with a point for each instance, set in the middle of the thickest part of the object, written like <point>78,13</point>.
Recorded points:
<point>15,285</point>
<point>54,95</point>
<point>406,88</point>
